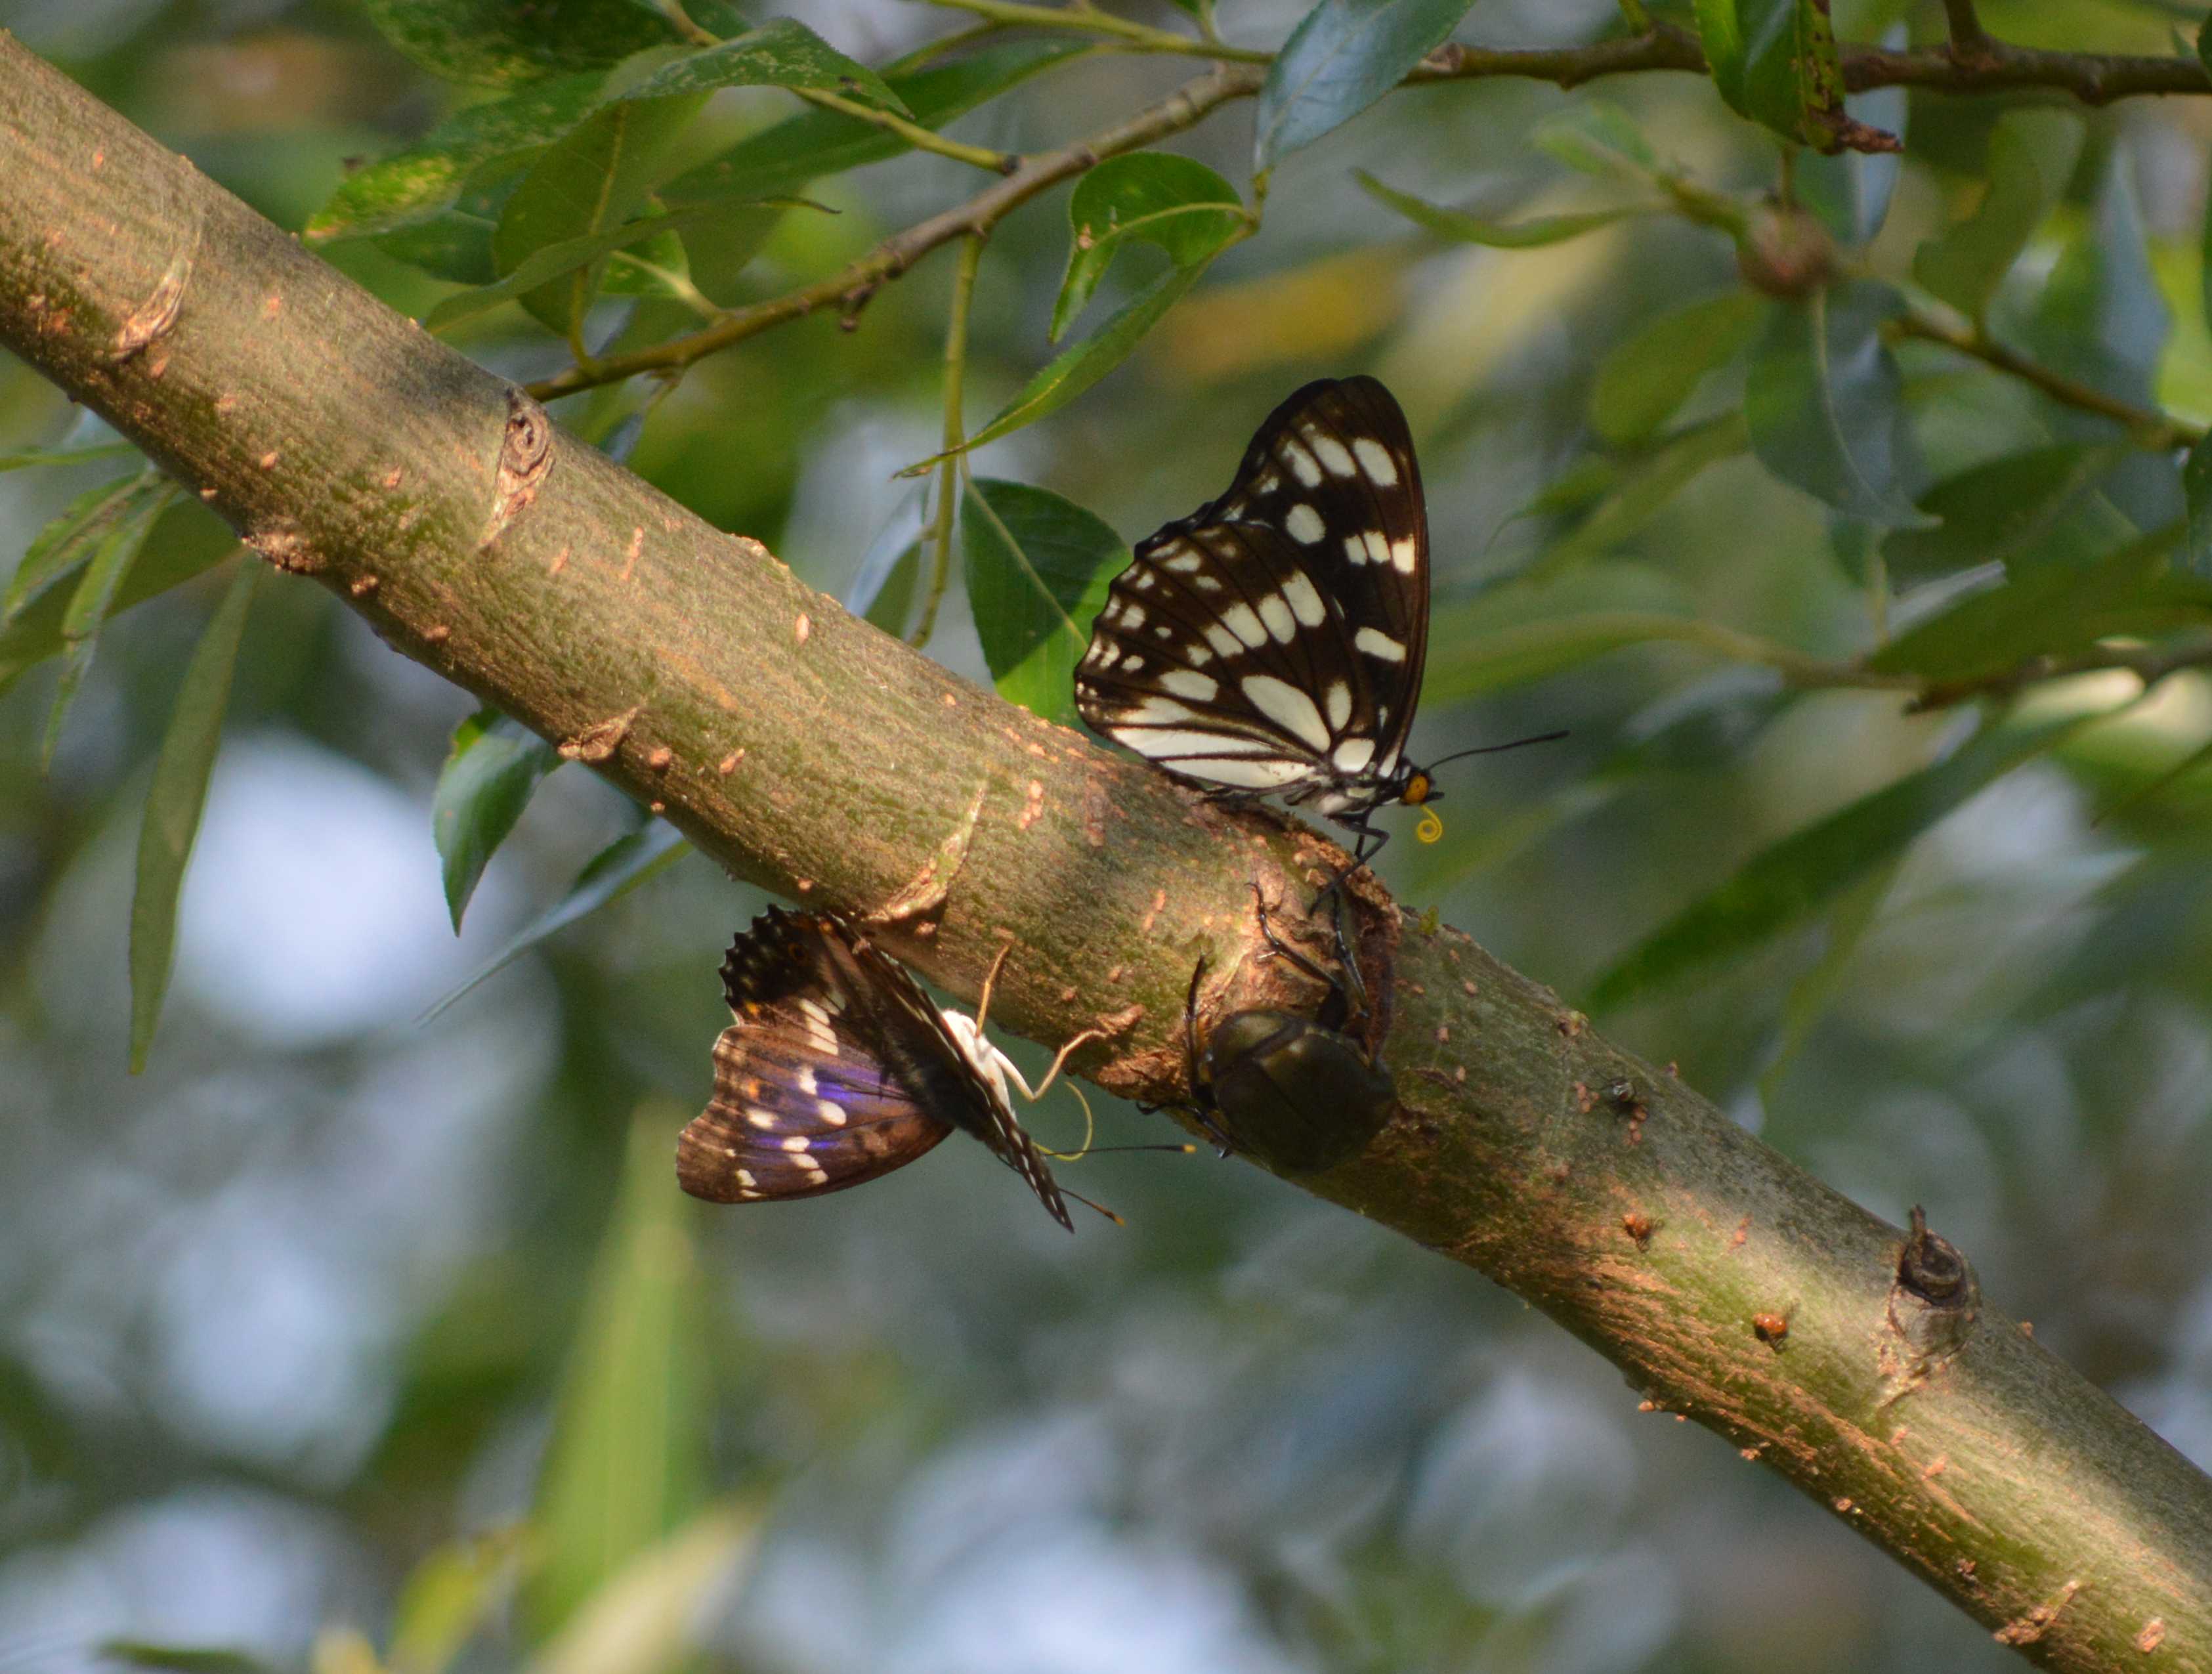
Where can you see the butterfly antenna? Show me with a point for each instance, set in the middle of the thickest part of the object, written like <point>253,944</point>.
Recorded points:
<point>1088,1204</point>
<point>1492,749</point>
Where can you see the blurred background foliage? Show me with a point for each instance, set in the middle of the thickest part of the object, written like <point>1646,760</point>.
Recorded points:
<point>361,1334</point>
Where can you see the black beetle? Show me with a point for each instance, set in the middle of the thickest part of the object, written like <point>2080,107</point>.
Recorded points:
<point>1295,1091</point>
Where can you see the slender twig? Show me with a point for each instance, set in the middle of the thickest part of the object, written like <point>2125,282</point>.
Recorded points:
<point>1993,66</point>
<point>1967,35</point>
<point>1087,19</point>
<point>851,286</point>
<point>950,473</point>
<point>2158,431</point>
<point>2094,78</point>
<point>921,138</point>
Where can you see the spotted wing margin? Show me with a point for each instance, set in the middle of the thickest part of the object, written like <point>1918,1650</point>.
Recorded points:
<point>801,1105</point>
<point>1273,640</point>
<point>825,1025</point>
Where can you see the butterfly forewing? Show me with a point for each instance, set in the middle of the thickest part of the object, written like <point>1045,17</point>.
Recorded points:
<point>1273,640</point>
<point>837,1068</point>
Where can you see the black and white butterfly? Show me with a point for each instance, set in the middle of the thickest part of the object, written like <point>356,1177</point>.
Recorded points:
<point>837,1067</point>
<point>1273,641</point>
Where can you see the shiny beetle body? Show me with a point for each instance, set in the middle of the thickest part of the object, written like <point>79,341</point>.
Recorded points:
<point>1299,1097</point>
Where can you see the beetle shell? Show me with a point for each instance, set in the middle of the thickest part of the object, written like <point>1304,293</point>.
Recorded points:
<point>1299,1097</point>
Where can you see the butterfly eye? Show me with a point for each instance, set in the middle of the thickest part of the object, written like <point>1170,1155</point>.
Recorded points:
<point>1417,790</point>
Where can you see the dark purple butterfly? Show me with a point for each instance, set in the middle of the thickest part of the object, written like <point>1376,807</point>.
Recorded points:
<point>837,1067</point>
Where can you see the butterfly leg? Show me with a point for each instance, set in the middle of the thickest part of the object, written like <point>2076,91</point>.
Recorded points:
<point>1361,853</point>
<point>990,979</point>
<point>1060,1058</point>
<point>1201,1102</point>
<point>1351,988</point>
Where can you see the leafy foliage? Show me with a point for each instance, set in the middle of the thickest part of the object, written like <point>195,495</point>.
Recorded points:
<point>1813,436</point>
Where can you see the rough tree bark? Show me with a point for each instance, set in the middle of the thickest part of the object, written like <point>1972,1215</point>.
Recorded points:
<point>823,760</point>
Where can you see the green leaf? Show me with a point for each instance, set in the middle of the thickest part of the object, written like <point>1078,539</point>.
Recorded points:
<point>781,53</point>
<point>417,185</point>
<point>503,43</point>
<point>1791,880</point>
<point>1343,55</point>
<point>174,801</point>
<point>570,254</point>
<point>1593,137</point>
<point>1075,371</point>
<point>181,1658</point>
<point>2102,318</point>
<point>36,633</point>
<point>588,183</point>
<point>643,1618</point>
<point>780,160</point>
<point>2035,506</point>
<point>1152,197</point>
<point>490,776</point>
<point>1775,61</point>
<point>26,458</point>
<point>1465,228</point>
<point>884,588</point>
<point>1532,629</point>
<point>2196,484</point>
<point>1642,488</point>
<point>93,601</point>
<point>2053,610</point>
<point>615,871</point>
<point>1641,383</point>
<point>1966,263</point>
<point>1848,922</point>
<point>67,543</point>
<point>1849,190</point>
<point>627,1465</point>
<point>1825,404</point>
<point>1037,571</point>
<point>450,1594</point>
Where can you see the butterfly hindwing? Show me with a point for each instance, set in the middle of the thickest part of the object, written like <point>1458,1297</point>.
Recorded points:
<point>1274,639</point>
<point>837,1068</point>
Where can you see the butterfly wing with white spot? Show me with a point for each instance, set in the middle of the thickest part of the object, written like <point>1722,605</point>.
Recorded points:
<point>1274,639</point>
<point>837,1068</point>
<point>802,1104</point>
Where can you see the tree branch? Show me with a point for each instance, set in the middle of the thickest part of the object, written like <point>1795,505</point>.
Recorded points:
<point>1995,66</point>
<point>851,286</point>
<point>821,758</point>
<point>2158,431</point>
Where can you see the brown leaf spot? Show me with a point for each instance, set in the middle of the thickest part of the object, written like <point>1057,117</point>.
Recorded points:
<point>728,765</point>
<point>802,628</point>
<point>2152,1636</point>
<point>660,758</point>
<point>361,586</point>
